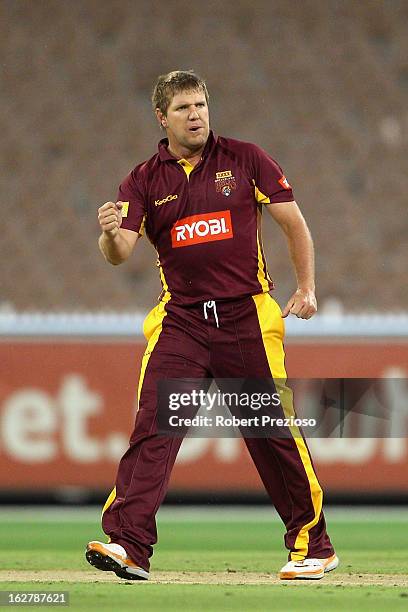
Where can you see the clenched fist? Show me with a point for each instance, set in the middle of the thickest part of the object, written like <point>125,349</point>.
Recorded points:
<point>110,217</point>
<point>302,304</point>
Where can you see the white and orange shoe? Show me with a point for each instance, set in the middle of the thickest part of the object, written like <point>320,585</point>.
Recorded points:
<point>308,569</point>
<point>113,558</point>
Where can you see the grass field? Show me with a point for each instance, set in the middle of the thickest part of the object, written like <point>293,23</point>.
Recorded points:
<point>222,559</point>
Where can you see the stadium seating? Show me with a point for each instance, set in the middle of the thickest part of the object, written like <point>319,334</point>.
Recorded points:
<point>322,85</point>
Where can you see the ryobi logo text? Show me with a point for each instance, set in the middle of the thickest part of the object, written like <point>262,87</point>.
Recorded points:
<point>202,228</point>
<point>168,199</point>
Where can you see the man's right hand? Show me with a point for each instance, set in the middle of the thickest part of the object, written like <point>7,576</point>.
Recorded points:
<point>110,218</point>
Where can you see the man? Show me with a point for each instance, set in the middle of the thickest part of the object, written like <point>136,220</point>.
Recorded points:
<point>199,200</point>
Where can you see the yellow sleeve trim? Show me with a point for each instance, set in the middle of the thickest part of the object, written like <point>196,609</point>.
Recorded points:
<point>260,197</point>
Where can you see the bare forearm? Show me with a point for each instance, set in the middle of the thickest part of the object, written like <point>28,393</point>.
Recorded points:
<point>115,243</point>
<point>115,249</point>
<point>303,302</point>
<point>302,254</point>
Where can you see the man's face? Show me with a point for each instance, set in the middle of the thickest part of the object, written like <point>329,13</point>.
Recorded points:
<point>187,120</point>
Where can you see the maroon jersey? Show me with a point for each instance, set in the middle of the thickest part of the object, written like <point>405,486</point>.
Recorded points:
<point>204,221</point>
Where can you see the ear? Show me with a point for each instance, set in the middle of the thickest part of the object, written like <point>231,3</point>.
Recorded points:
<point>161,118</point>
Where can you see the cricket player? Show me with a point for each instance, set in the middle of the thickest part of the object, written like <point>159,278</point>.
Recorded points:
<point>199,200</point>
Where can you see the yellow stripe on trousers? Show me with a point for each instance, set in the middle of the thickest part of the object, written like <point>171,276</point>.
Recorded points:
<point>110,499</point>
<point>272,329</point>
<point>152,327</point>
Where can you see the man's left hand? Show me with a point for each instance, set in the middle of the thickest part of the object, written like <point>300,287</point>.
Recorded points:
<point>302,304</point>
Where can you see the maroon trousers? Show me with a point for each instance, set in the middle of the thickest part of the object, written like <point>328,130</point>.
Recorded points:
<point>182,343</point>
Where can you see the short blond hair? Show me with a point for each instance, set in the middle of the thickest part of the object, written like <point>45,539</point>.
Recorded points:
<point>168,85</point>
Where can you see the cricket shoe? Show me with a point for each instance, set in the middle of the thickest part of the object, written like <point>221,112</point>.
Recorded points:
<point>308,569</point>
<point>113,558</point>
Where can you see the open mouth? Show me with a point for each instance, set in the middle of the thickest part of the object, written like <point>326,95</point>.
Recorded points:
<point>195,128</point>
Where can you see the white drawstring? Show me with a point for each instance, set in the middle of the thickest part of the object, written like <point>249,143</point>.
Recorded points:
<point>211,305</point>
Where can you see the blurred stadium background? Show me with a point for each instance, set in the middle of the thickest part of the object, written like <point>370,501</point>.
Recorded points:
<point>320,84</point>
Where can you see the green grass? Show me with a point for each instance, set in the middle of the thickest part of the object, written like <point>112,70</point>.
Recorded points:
<point>364,546</point>
<point>198,598</point>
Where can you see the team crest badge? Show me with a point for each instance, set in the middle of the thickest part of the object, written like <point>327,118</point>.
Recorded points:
<point>225,183</point>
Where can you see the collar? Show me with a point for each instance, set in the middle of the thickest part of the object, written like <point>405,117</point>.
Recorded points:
<point>165,155</point>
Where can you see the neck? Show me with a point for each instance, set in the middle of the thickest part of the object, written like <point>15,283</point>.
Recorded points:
<point>192,156</point>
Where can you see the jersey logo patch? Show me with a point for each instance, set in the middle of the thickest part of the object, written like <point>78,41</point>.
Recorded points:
<point>284,182</point>
<point>198,229</point>
<point>225,182</point>
<point>169,198</point>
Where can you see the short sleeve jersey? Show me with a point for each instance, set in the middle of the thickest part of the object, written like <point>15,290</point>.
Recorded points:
<point>204,221</point>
